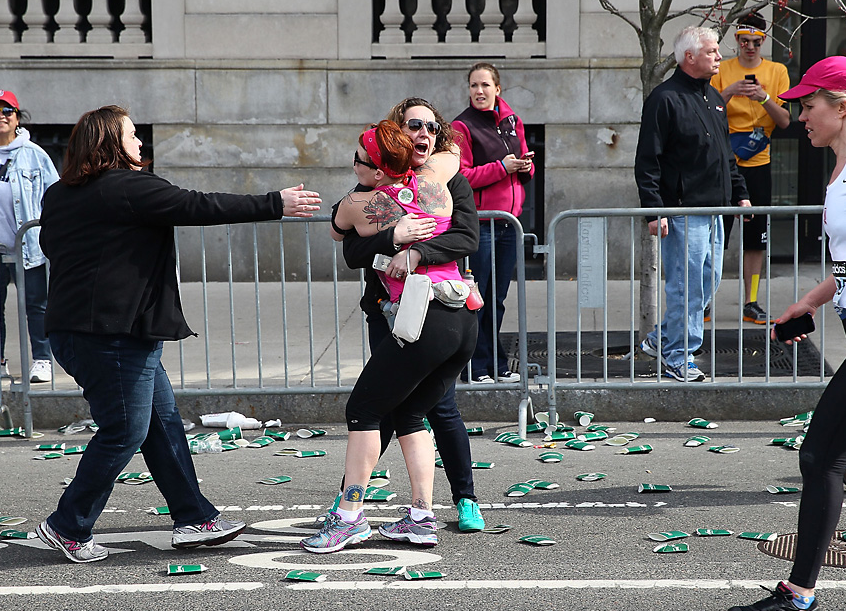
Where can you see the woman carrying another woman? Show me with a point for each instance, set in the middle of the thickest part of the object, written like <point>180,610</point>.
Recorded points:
<point>407,380</point>
<point>822,459</point>
<point>497,162</point>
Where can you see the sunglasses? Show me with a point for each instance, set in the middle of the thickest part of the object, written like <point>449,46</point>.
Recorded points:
<point>415,125</point>
<point>753,43</point>
<point>367,164</point>
<point>8,111</point>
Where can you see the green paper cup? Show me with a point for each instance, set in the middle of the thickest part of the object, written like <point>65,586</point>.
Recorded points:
<point>696,441</point>
<point>159,511</point>
<point>654,488</point>
<point>781,490</point>
<point>591,437</point>
<point>310,453</point>
<point>11,432</point>
<point>231,434</point>
<point>520,489</point>
<point>551,456</point>
<point>724,449</point>
<point>713,532</point>
<point>260,442</point>
<point>668,536</point>
<point>617,440</point>
<point>49,456</point>
<point>378,482</point>
<point>11,520</point>
<point>583,418</point>
<point>439,463</point>
<point>780,441</point>
<point>644,449</point>
<point>629,436</point>
<point>701,423</point>
<point>16,534</point>
<point>579,445</point>
<point>758,536</point>
<point>228,447</point>
<point>386,473</point>
<point>538,427</point>
<point>560,436</point>
<point>50,446</point>
<point>184,569</point>
<point>476,431</point>
<point>306,433</point>
<point>385,570</point>
<point>75,450</point>
<point>542,417</point>
<point>671,548</point>
<point>423,574</point>
<point>286,452</point>
<point>497,530</point>
<point>378,494</point>
<point>513,439</point>
<point>591,477</point>
<point>272,481</point>
<point>593,428</point>
<point>542,485</point>
<point>305,576</point>
<point>481,465</point>
<point>279,435</point>
<point>537,540</point>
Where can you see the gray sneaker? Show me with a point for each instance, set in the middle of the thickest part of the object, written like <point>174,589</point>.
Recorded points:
<point>686,372</point>
<point>73,550</point>
<point>213,532</point>
<point>424,532</point>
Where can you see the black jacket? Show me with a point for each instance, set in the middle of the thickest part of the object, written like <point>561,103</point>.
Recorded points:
<point>683,153</point>
<point>112,256</point>
<point>460,240</point>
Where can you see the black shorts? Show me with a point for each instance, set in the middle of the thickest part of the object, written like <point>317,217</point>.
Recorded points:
<point>759,184</point>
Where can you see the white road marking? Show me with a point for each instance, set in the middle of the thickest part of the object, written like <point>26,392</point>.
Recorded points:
<point>267,560</point>
<point>130,588</point>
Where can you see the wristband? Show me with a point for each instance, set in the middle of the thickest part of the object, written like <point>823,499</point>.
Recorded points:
<point>765,100</point>
<point>503,166</point>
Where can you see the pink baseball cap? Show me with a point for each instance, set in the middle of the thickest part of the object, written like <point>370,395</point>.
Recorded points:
<point>828,73</point>
<point>9,98</point>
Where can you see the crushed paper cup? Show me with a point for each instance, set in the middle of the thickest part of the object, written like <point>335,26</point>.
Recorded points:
<point>11,520</point>
<point>758,536</point>
<point>228,447</point>
<point>286,452</point>
<point>260,442</point>
<point>701,423</point>
<point>513,439</point>
<point>600,427</point>
<point>617,440</point>
<point>16,534</point>
<point>562,427</point>
<point>12,432</point>
<point>298,575</point>
<point>713,532</point>
<point>185,569</point>
<point>497,530</point>
<point>50,446</point>
<point>520,489</point>
<point>75,450</point>
<point>306,433</point>
<point>230,434</point>
<point>579,445</point>
<point>583,418</point>
<point>591,477</point>
<point>696,441</point>
<point>797,420</point>
<point>241,443</point>
<point>272,481</point>
<point>279,435</point>
<point>560,436</point>
<point>542,485</point>
<point>476,431</point>
<point>385,570</point>
<point>594,436</point>
<point>424,574</point>
<point>654,488</point>
<point>631,436</point>
<point>538,427</point>
<point>781,490</point>
<point>537,540</point>
<point>386,473</point>
<point>378,482</point>
<point>644,449</point>
<point>134,478</point>
<point>66,482</point>
<point>780,441</point>
<point>481,465</point>
<point>724,449</point>
<point>439,463</point>
<point>310,453</point>
<point>671,548</point>
<point>159,511</point>
<point>271,423</point>
<point>668,536</point>
<point>551,456</point>
<point>49,456</point>
<point>542,417</point>
<point>378,494</point>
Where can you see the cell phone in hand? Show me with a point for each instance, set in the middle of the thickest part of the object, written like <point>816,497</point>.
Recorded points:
<point>381,262</point>
<point>795,327</point>
<point>528,155</point>
<point>750,77</point>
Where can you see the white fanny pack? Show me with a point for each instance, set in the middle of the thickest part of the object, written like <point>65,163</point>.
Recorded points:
<point>413,306</point>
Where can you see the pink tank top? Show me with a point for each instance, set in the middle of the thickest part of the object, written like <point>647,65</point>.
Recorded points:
<point>406,198</point>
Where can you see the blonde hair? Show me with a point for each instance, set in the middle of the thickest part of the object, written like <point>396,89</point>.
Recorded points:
<point>832,97</point>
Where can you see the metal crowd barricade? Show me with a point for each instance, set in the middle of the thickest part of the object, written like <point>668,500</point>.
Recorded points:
<point>592,292</point>
<point>278,338</point>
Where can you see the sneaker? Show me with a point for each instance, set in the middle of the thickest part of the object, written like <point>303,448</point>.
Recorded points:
<point>688,372</point>
<point>508,376</point>
<point>752,312</point>
<point>213,532</point>
<point>707,313</point>
<point>320,520</point>
<point>41,371</point>
<point>650,349</point>
<point>424,532</point>
<point>337,534</point>
<point>469,517</point>
<point>781,599</point>
<point>74,550</point>
<point>485,379</point>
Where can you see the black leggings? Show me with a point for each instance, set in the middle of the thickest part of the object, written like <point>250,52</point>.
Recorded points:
<point>408,381</point>
<point>822,461</point>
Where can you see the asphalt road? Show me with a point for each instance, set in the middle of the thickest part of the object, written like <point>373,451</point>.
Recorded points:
<point>602,558</point>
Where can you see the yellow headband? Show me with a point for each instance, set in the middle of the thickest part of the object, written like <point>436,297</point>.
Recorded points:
<point>750,32</point>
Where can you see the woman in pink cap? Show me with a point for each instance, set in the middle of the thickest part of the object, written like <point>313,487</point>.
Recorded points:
<point>822,459</point>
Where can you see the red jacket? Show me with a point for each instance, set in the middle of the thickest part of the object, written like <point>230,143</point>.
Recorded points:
<point>486,137</point>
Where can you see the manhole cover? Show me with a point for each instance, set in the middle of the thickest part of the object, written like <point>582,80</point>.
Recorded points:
<point>784,547</point>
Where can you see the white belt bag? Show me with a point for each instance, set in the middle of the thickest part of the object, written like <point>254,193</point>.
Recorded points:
<point>413,305</point>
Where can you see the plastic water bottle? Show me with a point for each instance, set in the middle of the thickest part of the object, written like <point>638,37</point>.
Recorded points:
<point>209,445</point>
<point>389,311</point>
<point>474,300</point>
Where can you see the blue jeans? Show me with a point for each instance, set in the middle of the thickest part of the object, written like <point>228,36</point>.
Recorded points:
<point>35,280</point>
<point>132,401</point>
<point>700,262</point>
<point>447,424</point>
<point>490,274</point>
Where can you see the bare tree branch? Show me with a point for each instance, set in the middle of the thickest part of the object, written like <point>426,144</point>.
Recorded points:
<point>615,11</point>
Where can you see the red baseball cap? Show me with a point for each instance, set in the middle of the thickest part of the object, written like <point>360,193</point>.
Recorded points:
<point>9,98</point>
<point>828,73</point>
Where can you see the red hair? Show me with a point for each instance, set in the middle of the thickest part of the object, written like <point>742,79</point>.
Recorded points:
<point>388,147</point>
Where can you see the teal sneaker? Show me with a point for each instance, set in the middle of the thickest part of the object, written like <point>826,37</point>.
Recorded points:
<point>469,517</point>
<point>337,534</point>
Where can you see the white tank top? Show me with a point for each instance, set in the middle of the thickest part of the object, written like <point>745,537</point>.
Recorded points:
<point>834,217</point>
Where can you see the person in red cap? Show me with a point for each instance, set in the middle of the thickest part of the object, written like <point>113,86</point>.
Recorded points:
<point>822,459</point>
<point>25,173</point>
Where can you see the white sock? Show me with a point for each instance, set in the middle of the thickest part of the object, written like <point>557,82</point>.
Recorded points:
<point>419,514</point>
<point>349,517</point>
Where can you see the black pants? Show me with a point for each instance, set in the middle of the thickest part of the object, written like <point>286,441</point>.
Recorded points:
<point>822,461</point>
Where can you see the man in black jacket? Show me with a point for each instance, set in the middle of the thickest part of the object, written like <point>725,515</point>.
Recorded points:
<point>684,159</point>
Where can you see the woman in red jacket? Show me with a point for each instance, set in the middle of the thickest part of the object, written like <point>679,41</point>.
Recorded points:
<point>497,162</point>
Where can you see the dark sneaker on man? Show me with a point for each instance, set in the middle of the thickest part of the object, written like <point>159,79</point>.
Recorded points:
<point>508,377</point>
<point>424,532</point>
<point>483,379</point>
<point>73,550</point>
<point>686,372</point>
<point>213,532</point>
<point>781,599</point>
<point>469,517</point>
<point>752,312</point>
<point>337,534</point>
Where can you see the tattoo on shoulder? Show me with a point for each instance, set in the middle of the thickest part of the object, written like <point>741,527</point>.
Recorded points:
<point>432,197</point>
<point>383,211</point>
<point>421,504</point>
<point>354,494</point>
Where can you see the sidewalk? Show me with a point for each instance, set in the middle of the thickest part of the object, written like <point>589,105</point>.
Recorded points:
<point>270,356</point>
